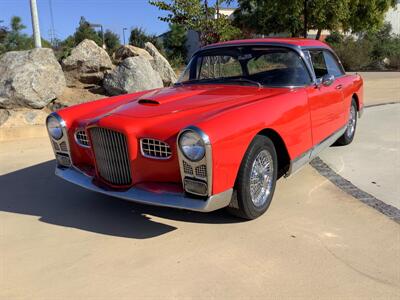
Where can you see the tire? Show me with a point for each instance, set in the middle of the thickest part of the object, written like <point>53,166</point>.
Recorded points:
<point>350,132</point>
<point>246,204</point>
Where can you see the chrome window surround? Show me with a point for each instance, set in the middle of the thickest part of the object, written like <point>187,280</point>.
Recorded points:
<point>81,138</point>
<point>295,48</point>
<point>56,144</point>
<point>206,160</point>
<point>165,149</point>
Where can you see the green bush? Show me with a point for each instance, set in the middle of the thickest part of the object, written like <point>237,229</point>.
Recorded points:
<point>379,50</point>
<point>139,37</point>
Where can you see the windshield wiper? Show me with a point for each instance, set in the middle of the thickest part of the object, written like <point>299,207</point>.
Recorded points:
<point>259,84</point>
<point>217,80</point>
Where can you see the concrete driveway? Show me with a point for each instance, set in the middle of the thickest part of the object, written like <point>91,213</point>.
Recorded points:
<point>60,241</point>
<point>372,161</point>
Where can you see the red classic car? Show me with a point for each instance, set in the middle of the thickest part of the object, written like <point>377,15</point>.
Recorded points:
<point>242,114</point>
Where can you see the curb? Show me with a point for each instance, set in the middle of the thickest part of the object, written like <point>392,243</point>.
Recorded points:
<point>346,186</point>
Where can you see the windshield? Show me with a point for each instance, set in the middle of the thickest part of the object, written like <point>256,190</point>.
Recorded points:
<point>247,65</point>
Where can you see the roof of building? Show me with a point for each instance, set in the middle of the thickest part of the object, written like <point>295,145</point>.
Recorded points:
<point>288,41</point>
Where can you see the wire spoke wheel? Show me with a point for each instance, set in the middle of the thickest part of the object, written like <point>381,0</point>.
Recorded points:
<point>261,177</point>
<point>351,125</point>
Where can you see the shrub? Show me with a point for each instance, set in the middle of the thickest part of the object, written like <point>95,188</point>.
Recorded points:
<point>377,50</point>
<point>139,37</point>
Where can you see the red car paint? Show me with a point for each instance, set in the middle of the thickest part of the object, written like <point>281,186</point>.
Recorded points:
<point>230,115</point>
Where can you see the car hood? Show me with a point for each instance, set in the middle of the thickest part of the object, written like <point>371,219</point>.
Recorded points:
<point>192,98</point>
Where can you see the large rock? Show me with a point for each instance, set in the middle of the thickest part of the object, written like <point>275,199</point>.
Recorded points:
<point>87,62</point>
<point>30,78</point>
<point>20,117</point>
<point>130,51</point>
<point>132,75</point>
<point>161,65</point>
<point>4,115</point>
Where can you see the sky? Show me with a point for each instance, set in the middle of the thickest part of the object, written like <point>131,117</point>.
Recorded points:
<point>112,14</point>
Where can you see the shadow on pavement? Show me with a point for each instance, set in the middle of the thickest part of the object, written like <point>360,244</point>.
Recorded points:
<point>37,191</point>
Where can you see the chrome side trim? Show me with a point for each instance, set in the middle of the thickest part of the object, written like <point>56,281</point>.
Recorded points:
<point>207,159</point>
<point>166,199</point>
<point>310,154</point>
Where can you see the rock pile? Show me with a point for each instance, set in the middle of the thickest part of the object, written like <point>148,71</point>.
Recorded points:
<point>31,78</point>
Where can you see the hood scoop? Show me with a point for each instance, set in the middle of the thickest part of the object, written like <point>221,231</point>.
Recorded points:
<point>148,102</point>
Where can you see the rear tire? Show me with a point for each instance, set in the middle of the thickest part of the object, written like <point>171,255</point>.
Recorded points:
<point>255,184</point>
<point>350,132</point>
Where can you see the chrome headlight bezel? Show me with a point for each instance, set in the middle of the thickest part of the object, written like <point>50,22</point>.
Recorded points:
<point>54,127</point>
<point>192,145</point>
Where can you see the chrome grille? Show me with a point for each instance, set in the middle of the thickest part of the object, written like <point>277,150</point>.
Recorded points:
<point>56,147</point>
<point>81,138</point>
<point>187,168</point>
<point>201,171</point>
<point>111,153</point>
<point>63,147</point>
<point>155,149</point>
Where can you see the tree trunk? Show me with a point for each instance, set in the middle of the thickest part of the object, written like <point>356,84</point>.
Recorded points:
<point>318,34</point>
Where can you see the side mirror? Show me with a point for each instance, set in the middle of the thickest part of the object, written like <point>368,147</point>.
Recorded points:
<point>327,80</point>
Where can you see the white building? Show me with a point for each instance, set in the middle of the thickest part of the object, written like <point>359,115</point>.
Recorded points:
<point>393,17</point>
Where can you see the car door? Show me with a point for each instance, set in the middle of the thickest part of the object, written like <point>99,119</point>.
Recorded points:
<point>325,101</point>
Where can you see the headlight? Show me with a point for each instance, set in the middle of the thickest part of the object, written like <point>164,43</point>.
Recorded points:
<point>192,145</point>
<point>54,127</point>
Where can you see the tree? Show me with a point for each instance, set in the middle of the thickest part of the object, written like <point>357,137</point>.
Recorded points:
<point>139,37</point>
<point>198,16</point>
<point>327,14</point>
<point>112,41</point>
<point>85,31</point>
<point>12,39</point>
<point>296,16</point>
<point>270,16</point>
<point>367,15</point>
<point>175,43</point>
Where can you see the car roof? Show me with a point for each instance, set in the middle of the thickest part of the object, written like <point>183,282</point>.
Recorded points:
<point>299,42</point>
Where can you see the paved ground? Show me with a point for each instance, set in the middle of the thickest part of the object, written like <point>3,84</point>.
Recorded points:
<point>372,161</point>
<point>381,87</point>
<point>60,241</point>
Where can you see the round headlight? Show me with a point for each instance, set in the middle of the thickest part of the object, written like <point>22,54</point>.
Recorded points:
<point>54,127</point>
<point>192,145</point>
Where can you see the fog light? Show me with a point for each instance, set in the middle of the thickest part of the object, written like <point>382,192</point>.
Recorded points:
<point>195,187</point>
<point>63,159</point>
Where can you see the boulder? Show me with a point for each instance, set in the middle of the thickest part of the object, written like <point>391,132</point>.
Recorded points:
<point>4,115</point>
<point>132,75</point>
<point>87,62</point>
<point>30,78</point>
<point>161,65</point>
<point>20,117</point>
<point>130,51</point>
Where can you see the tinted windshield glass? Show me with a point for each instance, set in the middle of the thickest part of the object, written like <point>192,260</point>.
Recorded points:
<point>269,66</point>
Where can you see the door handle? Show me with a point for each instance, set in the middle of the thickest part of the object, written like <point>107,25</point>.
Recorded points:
<point>339,87</point>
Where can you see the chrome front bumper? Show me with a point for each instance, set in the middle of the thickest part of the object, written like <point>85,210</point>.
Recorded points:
<point>167,199</point>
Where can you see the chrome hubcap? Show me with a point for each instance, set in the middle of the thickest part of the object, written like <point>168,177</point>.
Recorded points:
<point>351,126</point>
<point>261,176</point>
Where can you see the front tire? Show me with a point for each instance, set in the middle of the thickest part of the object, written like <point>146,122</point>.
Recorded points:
<point>255,184</point>
<point>350,132</point>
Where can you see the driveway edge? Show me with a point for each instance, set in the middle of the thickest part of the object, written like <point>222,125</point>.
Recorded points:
<point>346,186</point>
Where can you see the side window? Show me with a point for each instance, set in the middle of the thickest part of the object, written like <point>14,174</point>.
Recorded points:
<point>332,65</point>
<point>319,64</point>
